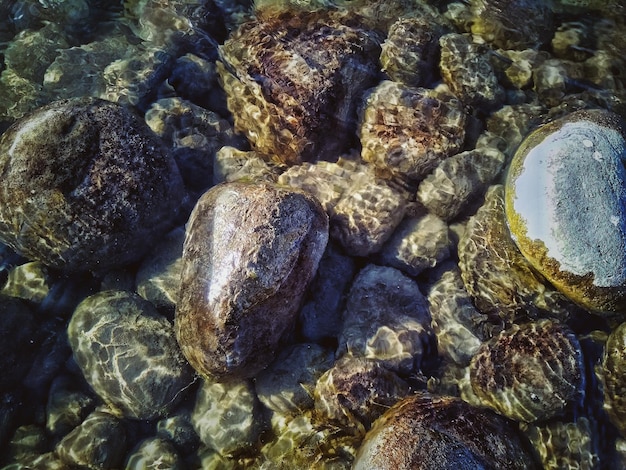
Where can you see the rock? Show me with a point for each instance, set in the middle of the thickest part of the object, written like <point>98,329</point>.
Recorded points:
<point>458,180</point>
<point>468,73</point>
<point>128,354</point>
<point>156,454</point>
<point>418,243</point>
<point>293,81</point>
<point>456,323</point>
<point>409,53</point>
<point>613,376</point>
<point>287,385</point>
<point>386,320</point>
<point>408,131</point>
<point>501,282</point>
<point>227,417</point>
<point>429,433</point>
<point>67,406</point>
<point>85,186</point>
<point>513,123</point>
<point>231,165</point>
<point>18,97</point>
<point>356,391</point>
<point>27,441</point>
<point>19,330</point>
<point>565,193</point>
<point>512,24</point>
<point>195,79</point>
<point>177,428</point>
<point>158,277</point>
<point>28,281</point>
<point>99,443</point>
<point>249,254</point>
<point>529,372</point>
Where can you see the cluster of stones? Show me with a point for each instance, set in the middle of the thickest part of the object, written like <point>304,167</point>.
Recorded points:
<point>340,278</point>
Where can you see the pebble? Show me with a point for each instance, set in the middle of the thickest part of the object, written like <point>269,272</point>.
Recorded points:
<point>565,193</point>
<point>408,131</point>
<point>430,432</point>
<point>250,252</point>
<point>529,372</point>
<point>85,186</point>
<point>128,354</point>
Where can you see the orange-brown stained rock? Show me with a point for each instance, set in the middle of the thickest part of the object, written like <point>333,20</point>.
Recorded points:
<point>249,253</point>
<point>427,433</point>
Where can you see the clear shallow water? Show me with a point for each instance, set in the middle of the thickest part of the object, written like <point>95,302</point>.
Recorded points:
<point>138,54</point>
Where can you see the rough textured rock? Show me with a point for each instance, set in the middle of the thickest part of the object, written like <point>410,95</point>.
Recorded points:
<point>227,416</point>
<point>613,376</point>
<point>85,186</point>
<point>565,205</point>
<point>529,372</point>
<point>433,433</point>
<point>407,131</point>
<point>500,280</point>
<point>468,73</point>
<point>128,354</point>
<point>249,253</point>
<point>356,391</point>
<point>386,320</point>
<point>293,81</point>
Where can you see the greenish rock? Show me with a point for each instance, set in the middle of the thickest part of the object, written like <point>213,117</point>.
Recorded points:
<point>434,433</point>
<point>155,454</point>
<point>287,385</point>
<point>85,186</point>
<point>250,252</point>
<point>500,280</point>
<point>565,205</point>
<point>28,281</point>
<point>99,443</point>
<point>227,417</point>
<point>530,372</point>
<point>128,354</point>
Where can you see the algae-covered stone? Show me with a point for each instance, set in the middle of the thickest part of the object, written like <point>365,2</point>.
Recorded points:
<point>529,372</point>
<point>293,80</point>
<point>407,131</point>
<point>566,207</point>
<point>433,433</point>
<point>85,186</point>
<point>128,354</point>
<point>249,253</point>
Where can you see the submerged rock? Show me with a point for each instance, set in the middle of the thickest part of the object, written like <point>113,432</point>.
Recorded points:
<point>85,186</point>
<point>128,354</point>
<point>293,81</point>
<point>434,433</point>
<point>529,372</point>
<point>566,207</point>
<point>613,376</point>
<point>249,253</point>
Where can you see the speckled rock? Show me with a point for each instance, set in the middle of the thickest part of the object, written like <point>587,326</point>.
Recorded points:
<point>232,164</point>
<point>155,454</point>
<point>158,276</point>
<point>458,180</point>
<point>613,376</point>
<point>460,328</point>
<point>386,319</point>
<point>529,372</point>
<point>512,24</point>
<point>367,214</point>
<point>128,354</point>
<point>418,243</point>
<point>18,96</point>
<point>432,433</point>
<point>356,391</point>
<point>28,281</point>
<point>227,416</point>
<point>85,186</point>
<point>287,385</point>
<point>500,280</point>
<point>407,131</point>
<point>99,443</point>
<point>67,406</point>
<point>578,247</point>
<point>565,444</point>
<point>468,73</point>
<point>293,80</point>
<point>21,341</point>
<point>410,51</point>
<point>249,253</point>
